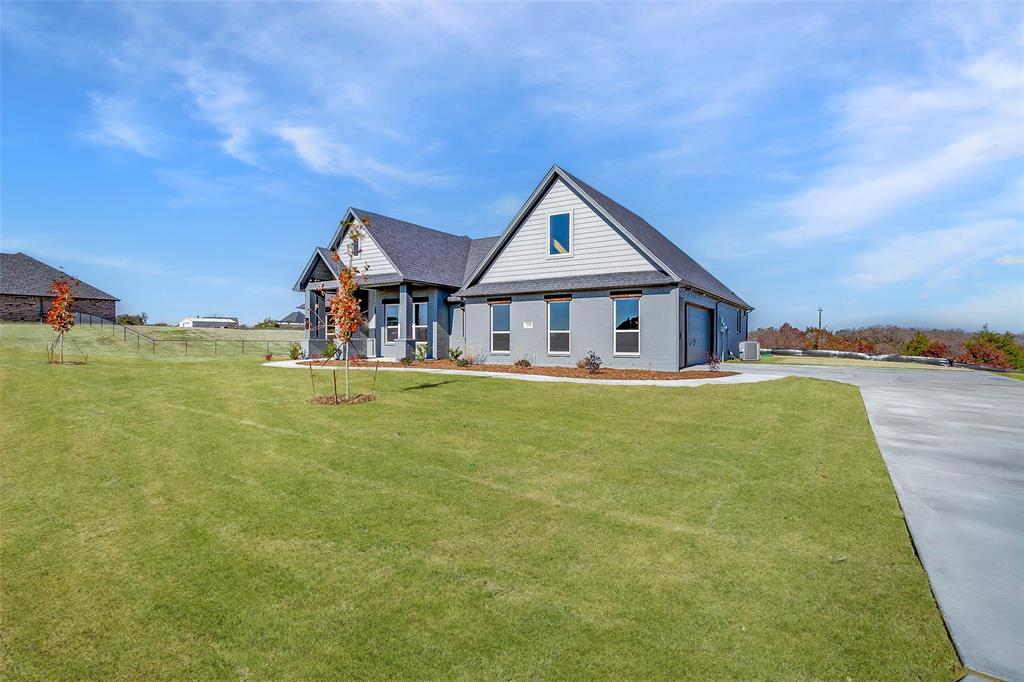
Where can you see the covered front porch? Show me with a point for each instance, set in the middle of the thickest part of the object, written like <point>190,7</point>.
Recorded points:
<point>399,317</point>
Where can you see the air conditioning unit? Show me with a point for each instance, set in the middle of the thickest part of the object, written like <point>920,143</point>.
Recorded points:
<point>750,350</point>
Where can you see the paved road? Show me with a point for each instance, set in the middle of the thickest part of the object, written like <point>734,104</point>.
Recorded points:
<point>953,442</point>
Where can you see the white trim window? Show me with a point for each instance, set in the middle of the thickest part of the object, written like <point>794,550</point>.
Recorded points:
<point>627,326</point>
<point>355,247</point>
<point>390,323</point>
<point>558,327</point>
<point>419,325</point>
<point>560,235</point>
<point>501,328</point>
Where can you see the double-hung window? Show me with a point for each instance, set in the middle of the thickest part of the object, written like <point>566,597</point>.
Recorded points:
<point>501,327</point>
<point>419,327</point>
<point>560,234</point>
<point>390,322</point>
<point>558,327</point>
<point>627,326</point>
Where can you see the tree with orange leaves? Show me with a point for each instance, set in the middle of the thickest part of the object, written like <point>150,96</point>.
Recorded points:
<point>59,316</point>
<point>344,307</point>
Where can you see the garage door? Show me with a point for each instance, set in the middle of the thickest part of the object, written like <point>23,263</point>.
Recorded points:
<point>698,335</point>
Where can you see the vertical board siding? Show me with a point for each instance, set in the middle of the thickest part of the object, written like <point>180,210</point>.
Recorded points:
<point>596,247</point>
<point>369,255</point>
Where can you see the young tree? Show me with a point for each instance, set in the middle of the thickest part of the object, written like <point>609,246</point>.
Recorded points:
<point>344,307</point>
<point>60,317</point>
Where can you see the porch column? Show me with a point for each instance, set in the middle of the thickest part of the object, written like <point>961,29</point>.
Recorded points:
<point>406,341</point>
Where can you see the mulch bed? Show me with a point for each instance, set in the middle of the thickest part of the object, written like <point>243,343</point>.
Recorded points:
<point>572,372</point>
<point>329,399</point>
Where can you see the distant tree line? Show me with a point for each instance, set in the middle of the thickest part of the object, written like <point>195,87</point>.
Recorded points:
<point>984,347</point>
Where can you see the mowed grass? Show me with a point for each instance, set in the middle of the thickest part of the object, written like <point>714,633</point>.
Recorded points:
<point>170,519</point>
<point>846,362</point>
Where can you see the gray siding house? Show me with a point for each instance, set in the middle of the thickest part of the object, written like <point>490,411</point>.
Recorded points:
<point>574,271</point>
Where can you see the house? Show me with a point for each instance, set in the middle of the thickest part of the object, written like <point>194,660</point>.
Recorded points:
<point>210,322</point>
<point>293,320</point>
<point>574,271</point>
<point>25,291</point>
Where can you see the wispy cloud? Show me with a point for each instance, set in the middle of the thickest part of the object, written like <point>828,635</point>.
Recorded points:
<point>118,123</point>
<point>1010,260</point>
<point>903,142</point>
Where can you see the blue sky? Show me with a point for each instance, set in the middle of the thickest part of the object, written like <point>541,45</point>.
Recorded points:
<point>865,158</point>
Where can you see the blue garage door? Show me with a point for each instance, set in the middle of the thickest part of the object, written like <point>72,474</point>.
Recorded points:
<point>698,335</point>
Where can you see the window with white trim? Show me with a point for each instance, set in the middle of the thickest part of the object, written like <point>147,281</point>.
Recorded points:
<point>627,326</point>
<point>355,246</point>
<point>558,327</point>
<point>501,327</point>
<point>419,327</point>
<point>560,234</point>
<point>390,322</point>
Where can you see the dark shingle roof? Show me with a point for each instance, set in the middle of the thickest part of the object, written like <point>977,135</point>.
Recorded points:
<point>688,270</point>
<point>420,254</point>
<point>618,280</point>
<point>477,250</point>
<point>23,275</point>
<point>293,318</point>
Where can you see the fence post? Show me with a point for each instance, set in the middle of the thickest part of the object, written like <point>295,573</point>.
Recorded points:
<point>243,346</point>
<point>215,348</point>
<point>154,346</point>
<point>186,348</point>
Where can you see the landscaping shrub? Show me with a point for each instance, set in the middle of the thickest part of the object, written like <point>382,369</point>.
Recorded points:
<point>712,362</point>
<point>294,350</point>
<point>983,353</point>
<point>330,350</point>
<point>268,356</point>
<point>463,362</point>
<point>591,362</point>
<point>266,323</point>
<point>937,349</point>
<point>917,345</point>
<point>407,360</point>
<point>128,320</point>
<point>522,362</point>
<point>1004,343</point>
<point>421,352</point>
<point>454,353</point>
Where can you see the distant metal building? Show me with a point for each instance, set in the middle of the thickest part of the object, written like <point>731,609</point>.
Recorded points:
<point>210,322</point>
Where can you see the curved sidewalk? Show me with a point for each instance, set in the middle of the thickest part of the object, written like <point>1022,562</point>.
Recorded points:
<point>673,383</point>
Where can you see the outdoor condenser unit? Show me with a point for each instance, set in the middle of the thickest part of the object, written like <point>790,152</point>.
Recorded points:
<point>750,350</point>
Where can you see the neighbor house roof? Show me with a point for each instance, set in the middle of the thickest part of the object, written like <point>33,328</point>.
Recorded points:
<point>22,275</point>
<point>293,318</point>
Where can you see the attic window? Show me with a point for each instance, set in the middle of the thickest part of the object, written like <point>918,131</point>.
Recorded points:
<point>560,234</point>
<point>355,246</point>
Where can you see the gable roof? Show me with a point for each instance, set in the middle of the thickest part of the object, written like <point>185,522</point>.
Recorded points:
<point>648,240</point>
<point>22,275</point>
<point>294,317</point>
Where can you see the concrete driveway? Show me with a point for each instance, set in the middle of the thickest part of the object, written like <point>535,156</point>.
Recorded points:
<point>953,442</point>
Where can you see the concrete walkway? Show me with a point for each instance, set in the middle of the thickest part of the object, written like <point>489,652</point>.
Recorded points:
<point>953,442</point>
<point>673,383</point>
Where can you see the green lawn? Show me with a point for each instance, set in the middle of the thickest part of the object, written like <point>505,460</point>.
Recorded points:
<point>841,362</point>
<point>168,518</point>
<point>1015,375</point>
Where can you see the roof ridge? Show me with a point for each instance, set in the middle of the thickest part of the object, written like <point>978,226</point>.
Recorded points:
<point>401,220</point>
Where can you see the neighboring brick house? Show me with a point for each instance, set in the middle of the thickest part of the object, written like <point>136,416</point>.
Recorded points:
<point>24,291</point>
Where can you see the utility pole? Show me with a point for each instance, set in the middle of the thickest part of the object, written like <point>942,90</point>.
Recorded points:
<point>817,337</point>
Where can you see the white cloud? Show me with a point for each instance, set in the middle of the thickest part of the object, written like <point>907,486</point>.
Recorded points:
<point>934,256</point>
<point>223,99</point>
<point>903,142</point>
<point>118,124</point>
<point>1010,260</point>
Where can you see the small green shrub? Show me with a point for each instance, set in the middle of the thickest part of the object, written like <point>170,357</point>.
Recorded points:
<point>522,362</point>
<point>917,345</point>
<point>421,352</point>
<point>463,362</point>
<point>407,360</point>
<point>266,324</point>
<point>294,350</point>
<point>454,353</point>
<point>330,349</point>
